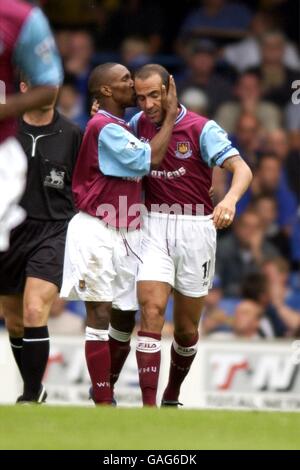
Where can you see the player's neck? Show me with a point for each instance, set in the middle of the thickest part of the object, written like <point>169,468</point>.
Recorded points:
<point>114,109</point>
<point>39,117</point>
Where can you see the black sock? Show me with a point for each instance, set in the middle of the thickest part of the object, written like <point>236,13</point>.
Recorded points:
<point>35,355</point>
<point>16,347</point>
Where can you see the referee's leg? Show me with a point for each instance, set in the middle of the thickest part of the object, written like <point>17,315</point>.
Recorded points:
<point>12,308</point>
<point>39,296</point>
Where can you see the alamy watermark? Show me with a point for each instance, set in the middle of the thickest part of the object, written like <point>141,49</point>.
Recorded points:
<point>2,92</point>
<point>132,216</point>
<point>296,94</point>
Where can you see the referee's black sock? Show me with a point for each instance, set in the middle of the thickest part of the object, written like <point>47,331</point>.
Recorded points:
<point>35,355</point>
<point>16,347</point>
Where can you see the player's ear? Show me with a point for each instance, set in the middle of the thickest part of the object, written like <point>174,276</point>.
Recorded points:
<point>106,90</point>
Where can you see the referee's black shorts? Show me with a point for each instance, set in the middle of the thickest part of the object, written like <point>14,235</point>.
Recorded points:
<point>36,250</point>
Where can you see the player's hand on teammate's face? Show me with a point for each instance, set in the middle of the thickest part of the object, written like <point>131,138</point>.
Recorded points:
<point>224,212</point>
<point>169,99</point>
<point>95,108</point>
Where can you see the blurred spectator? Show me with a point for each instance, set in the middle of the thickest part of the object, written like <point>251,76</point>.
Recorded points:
<point>69,105</point>
<point>214,317</point>
<point>63,42</point>
<point>248,99</point>
<point>255,287</point>
<point>266,208</point>
<point>81,54</point>
<point>245,322</point>
<point>138,18</point>
<point>247,53</point>
<point>247,138</point>
<point>277,79</point>
<point>242,252</point>
<point>79,63</point>
<point>292,121</point>
<point>217,18</point>
<point>195,100</point>
<point>268,180</point>
<point>69,12</point>
<point>278,144</point>
<point>201,74</point>
<point>63,321</point>
<point>295,244</point>
<point>286,303</point>
<point>135,52</point>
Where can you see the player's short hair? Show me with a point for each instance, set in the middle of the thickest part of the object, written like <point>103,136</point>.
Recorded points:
<point>153,69</point>
<point>99,77</point>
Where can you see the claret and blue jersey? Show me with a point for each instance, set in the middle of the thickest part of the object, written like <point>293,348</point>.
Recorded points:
<point>27,43</point>
<point>185,175</point>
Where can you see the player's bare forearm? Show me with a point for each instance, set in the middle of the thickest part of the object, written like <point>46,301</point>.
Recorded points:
<point>35,98</point>
<point>224,212</point>
<point>159,144</point>
<point>242,177</point>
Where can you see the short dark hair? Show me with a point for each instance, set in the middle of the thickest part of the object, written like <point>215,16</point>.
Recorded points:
<point>99,77</point>
<point>153,69</point>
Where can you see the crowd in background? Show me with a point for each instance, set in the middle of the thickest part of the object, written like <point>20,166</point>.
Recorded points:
<point>237,63</point>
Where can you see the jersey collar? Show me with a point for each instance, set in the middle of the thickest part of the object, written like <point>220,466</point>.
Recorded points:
<point>180,116</point>
<point>111,116</point>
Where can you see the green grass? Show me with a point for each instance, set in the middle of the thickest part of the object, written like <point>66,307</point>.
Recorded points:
<point>42,427</point>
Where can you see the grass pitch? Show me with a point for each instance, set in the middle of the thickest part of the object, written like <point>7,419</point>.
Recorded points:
<point>42,427</point>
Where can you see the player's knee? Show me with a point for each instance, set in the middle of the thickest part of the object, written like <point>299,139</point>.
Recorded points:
<point>34,314</point>
<point>188,336</point>
<point>152,315</point>
<point>98,315</point>
<point>123,321</point>
<point>152,309</point>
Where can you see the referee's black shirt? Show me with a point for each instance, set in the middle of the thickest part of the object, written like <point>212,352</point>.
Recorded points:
<point>51,151</point>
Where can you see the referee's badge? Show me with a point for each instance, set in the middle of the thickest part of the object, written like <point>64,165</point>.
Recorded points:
<point>183,150</point>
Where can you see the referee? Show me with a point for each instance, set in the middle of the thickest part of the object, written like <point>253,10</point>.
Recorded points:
<point>31,270</point>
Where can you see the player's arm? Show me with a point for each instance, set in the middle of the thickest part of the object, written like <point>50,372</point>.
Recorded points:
<point>159,143</point>
<point>121,154</point>
<point>124,155</point>
<point>36,56</point>
<point>217,150</point>
<point>35,98</point>
<point>224,212</point>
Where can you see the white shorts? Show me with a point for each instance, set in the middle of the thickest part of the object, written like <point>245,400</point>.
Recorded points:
<point>100,263</point>
<point>179,250</point>
<point>13,167</point>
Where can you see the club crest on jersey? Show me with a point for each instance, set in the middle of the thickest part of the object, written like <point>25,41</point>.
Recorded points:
<point>183,150</point>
